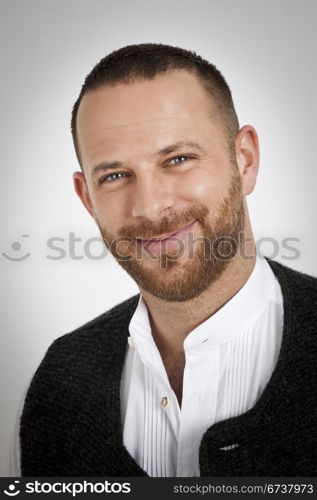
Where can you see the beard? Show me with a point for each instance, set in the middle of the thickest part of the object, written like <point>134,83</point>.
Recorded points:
<point>169,275</point>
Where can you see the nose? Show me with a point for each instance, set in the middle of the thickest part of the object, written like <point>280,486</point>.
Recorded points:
<point>152,196</point>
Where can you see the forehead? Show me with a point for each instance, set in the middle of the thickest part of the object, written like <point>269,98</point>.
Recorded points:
<point>142,114</point>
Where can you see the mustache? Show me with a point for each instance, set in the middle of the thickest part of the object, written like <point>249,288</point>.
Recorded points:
<point>148,230</point>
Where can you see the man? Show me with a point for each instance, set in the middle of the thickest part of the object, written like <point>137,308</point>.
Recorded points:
<point>211,369</point>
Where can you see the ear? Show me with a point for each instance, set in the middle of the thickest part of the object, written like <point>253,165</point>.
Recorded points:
<point>81,189</point>
<point>248,155</point>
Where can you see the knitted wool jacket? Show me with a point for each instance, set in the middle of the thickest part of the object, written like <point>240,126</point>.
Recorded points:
<point>71,423</point>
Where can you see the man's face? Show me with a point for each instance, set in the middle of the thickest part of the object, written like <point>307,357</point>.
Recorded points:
<point>155,160</point>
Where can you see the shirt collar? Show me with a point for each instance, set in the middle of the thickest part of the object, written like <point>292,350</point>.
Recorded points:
<point>232,319</point>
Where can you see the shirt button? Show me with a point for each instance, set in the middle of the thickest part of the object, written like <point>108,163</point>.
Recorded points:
<point>165,402</point>
<point>130,342</point>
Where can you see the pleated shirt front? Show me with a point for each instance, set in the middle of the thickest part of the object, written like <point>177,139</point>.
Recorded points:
<point>229,357</point>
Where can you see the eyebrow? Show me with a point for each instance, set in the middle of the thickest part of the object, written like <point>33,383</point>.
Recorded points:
<point>109,165</point>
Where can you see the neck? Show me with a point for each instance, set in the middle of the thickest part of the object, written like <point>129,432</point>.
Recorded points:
<point>171,322</point>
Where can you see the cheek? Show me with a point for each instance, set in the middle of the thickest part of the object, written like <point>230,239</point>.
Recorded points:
<point>111,211</point>
<point>204,186</point>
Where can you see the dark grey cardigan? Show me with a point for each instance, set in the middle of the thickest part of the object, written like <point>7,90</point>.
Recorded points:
<point>71,423</point>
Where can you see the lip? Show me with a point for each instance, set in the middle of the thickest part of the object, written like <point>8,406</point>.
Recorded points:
<point>166,236</point>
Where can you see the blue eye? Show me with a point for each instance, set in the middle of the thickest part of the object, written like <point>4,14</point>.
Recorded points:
<point>112,177</point>
<point>182,157</point>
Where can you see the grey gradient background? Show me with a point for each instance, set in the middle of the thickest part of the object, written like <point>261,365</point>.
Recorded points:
<point>267,51</point>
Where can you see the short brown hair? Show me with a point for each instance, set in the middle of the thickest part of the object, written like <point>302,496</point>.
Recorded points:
<point>146,61</point>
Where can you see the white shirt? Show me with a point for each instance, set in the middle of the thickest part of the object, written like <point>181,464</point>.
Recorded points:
<point>229,360</point>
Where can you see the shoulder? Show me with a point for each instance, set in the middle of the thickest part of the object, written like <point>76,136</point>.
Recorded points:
<point>295,283</point>
<point>97,342</point>
<point>117,317</point>
<point>299,291</point>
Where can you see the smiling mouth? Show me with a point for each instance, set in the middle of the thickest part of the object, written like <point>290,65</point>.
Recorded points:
<point>166,236</point>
